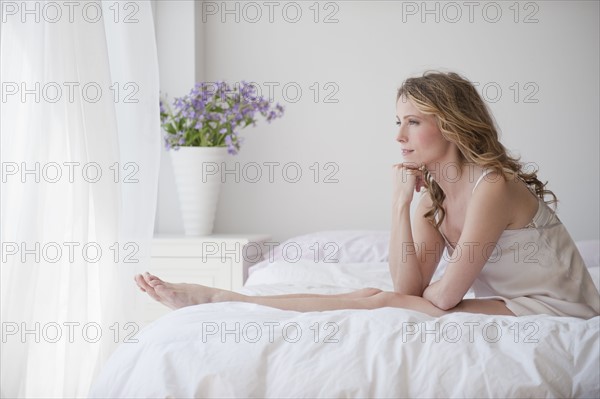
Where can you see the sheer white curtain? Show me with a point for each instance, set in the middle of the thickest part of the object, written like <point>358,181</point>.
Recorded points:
<point>80,153</point>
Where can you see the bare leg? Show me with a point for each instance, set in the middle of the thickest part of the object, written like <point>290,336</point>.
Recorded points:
<point>379,300</point>
<point>145,282</point>
<point>180,295</point>
<point>362,293</point>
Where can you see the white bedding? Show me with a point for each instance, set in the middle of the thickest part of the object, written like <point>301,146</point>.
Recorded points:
<point>370,353</point>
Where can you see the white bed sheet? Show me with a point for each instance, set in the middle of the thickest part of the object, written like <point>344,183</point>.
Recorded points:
<point>388,352</point>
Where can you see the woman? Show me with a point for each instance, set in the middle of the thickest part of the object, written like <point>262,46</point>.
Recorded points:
<point>479,203</point>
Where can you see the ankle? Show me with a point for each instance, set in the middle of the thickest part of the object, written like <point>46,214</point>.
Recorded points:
<point>226,296</point>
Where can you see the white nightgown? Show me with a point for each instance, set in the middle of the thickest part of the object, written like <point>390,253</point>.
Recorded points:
<point>537,270</point>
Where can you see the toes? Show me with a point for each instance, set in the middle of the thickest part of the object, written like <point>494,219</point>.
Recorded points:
<point>155,283</point>
<point>147,288</point>
<point>147,283</point>
<point>140,282</point>
<point>149,278</point>
<point>152,280</point>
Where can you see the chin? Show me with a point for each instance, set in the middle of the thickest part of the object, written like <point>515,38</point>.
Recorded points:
<point>411,160</point>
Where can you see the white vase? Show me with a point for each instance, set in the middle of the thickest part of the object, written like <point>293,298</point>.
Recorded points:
<point>198,180</point>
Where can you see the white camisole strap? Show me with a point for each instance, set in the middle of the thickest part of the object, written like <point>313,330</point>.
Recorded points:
<point>485,172</point>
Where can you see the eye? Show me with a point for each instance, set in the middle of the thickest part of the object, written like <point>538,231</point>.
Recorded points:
<point>398,123</point>
<point>412,122</point>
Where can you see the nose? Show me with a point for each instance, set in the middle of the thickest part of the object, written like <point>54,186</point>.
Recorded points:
<point>401,137</point>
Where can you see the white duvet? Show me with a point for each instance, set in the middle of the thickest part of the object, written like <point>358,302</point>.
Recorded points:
<point>246,350</point>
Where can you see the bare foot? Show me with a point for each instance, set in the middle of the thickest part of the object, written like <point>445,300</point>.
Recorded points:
<point>179,295</point>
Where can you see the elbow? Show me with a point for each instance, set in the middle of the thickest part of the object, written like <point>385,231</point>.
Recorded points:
<point>446,303</point>
<point>440,297</point>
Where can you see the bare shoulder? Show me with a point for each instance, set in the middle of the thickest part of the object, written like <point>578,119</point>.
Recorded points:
<point>494,198</point>
<point>494,180</point>
<point>494,187</point>
<point>510,197</point>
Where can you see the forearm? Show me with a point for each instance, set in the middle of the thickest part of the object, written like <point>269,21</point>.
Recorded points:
<point>404,265</point>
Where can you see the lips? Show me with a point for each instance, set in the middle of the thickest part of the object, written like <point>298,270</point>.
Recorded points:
<point>405,152</point>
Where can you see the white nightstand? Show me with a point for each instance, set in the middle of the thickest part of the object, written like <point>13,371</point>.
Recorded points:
<point>219,261</point>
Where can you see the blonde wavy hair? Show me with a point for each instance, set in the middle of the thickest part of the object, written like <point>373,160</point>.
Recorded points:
<point>464,119</point>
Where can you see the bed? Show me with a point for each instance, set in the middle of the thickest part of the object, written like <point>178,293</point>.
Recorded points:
<point>246,350</point>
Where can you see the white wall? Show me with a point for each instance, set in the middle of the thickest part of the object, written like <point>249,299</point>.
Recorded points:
<point>365,56</point>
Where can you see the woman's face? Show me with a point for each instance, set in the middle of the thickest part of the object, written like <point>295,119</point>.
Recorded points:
<point>421,141</point>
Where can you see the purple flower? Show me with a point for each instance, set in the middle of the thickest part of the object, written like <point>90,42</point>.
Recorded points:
<point>212,113</point>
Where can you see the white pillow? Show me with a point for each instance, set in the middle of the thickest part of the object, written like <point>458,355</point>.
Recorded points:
<point>363,246</point>
<point>339,246</point>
